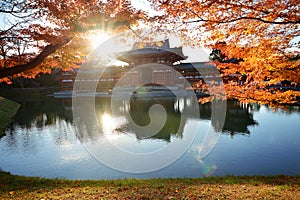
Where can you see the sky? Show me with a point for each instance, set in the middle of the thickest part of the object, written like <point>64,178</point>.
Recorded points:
<point>194,54</point>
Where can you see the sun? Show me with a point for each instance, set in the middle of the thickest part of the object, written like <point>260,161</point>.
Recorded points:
<point>104,44</point>
<point>98,38</point>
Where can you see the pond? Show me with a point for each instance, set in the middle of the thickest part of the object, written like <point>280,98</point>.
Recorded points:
<point>47,139</point>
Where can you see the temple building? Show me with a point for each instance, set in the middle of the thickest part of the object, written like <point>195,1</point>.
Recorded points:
<point>147,63</point>
<point>152,60</point>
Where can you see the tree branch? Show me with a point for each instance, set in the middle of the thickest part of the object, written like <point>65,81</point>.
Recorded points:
<point>2,32</point>
<point>241,18</point>
<point>49,49</point>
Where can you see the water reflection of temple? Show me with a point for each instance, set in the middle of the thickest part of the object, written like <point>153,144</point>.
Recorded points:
<point>238,116</point>
<point>49,110</point>
<point>139,110</point>
<point>136,113</point>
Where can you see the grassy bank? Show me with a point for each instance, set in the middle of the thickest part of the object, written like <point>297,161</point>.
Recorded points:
<point>8,109</point>
<point>230,187</point>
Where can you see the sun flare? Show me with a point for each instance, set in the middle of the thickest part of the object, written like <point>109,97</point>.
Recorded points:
<point>105,45</point>
<point>98,38</point>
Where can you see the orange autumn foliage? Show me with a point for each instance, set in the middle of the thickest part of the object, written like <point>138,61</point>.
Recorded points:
<point>264,34</point>
<point>42,34</point>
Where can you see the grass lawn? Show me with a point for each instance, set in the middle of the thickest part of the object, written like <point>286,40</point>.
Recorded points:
<point>229,187</point>
<point>8,109</point>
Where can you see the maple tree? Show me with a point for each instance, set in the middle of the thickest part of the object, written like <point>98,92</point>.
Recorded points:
<point>33,30</point>
<point>263,35</point>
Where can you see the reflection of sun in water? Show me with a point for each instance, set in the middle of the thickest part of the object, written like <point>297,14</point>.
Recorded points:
<point>109,126</point>
<point>107,123</point>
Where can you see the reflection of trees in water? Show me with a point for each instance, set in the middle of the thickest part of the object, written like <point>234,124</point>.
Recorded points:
<point>238,118</point>
<point>285,109</point>
<point>30,140</point>
<point>34,118</point>
<point>43,112</point>
<point>86,118</point>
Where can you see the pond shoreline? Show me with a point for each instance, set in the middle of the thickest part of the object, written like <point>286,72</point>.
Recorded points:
<point>57,93</point>
<point>231,187</point>
<point>8,110</point>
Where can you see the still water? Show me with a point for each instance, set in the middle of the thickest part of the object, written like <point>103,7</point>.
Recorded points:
<point>47,139</point>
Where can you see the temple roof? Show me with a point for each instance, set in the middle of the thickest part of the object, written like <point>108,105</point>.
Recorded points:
<point>142,49</point>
